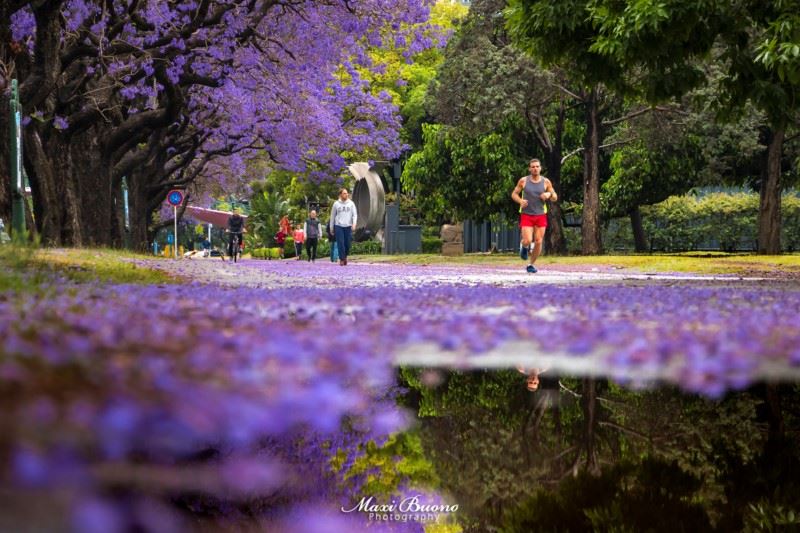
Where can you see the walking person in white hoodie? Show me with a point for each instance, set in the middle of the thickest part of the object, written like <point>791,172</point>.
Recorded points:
<point>343,223</point>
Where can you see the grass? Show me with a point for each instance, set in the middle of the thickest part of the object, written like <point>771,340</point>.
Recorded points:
<point>24,268</point>
<point>694,262</point>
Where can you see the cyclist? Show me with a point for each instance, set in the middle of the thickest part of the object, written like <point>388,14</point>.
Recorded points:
<point>235,227</point>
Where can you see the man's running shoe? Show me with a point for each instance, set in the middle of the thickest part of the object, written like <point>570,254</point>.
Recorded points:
<point>531,269</point>
<point>523,252</point>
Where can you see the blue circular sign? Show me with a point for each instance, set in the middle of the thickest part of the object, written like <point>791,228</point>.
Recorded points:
<point>175,197</point>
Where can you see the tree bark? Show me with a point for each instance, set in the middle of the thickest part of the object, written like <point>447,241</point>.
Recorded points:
<point>140,212</point>
<point>55,199</point>
<point>590,228</point>
<point>555,241</point>
<point>7,60</point>
<point>639,238</point>
<point>769,210</point>
<point>589,408</point>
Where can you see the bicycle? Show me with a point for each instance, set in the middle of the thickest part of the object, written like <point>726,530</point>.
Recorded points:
<point>234,250</point>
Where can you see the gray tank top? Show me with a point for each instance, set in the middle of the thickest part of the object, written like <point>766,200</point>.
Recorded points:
<point>531,192</point>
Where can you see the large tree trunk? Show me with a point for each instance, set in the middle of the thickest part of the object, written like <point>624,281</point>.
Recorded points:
<point>555,241</point>
<point>93,174</point>
<point>140,212</point>
<point>639,237</point>
<point>769,211</point>
<point>6,58</point>
<point>55,198</point>
<point>590,228</point>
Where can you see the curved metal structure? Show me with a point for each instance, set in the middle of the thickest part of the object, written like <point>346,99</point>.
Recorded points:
<point>370,199</point>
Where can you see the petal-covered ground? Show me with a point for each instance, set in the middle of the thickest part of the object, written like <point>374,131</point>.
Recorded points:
<point>705,333</point>
<point>113,390</point>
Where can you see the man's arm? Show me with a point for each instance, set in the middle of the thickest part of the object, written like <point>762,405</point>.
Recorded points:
<point>549,191</point>
<point>355,215</point>
<point>515,193</point>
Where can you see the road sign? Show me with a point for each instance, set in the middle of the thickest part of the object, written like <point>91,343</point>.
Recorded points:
<point>175,197</point>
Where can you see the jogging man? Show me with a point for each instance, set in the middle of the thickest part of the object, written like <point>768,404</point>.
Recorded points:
<point>531,193</point>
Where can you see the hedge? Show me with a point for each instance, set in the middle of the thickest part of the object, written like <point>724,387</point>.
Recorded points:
<point>717,221</point>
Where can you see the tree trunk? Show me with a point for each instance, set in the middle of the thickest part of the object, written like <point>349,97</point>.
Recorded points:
<point>140,212</point>
<point>639,237</point>
<point>555,241</point>
<point>769,210</point>
<point>590,228</point>
<point>589,408</point>
<point>6,58</point>
<point>55,198</point>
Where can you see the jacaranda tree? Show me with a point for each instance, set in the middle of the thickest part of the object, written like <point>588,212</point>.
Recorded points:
<point>162,93</point>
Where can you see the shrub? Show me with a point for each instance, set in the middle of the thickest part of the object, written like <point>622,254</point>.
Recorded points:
<point>365,248</point>
<point>431,245</point>
<point>720,221</point>
<point>288,247</point>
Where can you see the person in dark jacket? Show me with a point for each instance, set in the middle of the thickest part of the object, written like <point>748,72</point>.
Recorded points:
<point>312,229</point>
<point>235,227</point>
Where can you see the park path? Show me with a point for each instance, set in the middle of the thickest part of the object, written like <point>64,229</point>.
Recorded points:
<point>692,330</point>
<point>323,273</point>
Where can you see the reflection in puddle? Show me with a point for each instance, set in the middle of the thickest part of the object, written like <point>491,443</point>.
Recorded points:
<point>527,449</point>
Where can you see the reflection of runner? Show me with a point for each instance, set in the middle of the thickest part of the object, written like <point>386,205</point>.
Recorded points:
<point>531,193</point>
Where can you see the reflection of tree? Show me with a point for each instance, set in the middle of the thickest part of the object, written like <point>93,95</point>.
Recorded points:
<point>609,455</point>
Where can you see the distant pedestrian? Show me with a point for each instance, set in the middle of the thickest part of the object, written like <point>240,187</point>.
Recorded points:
<point>285,225</point>
<point>531,193</point>
<point>299,237</point>
<point>312,231</point>
<point>280,240</point>
<point>343,223</point>
<point>332,240</point>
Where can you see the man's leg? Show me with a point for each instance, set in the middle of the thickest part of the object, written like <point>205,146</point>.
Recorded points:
<point>527,238</point>
<point>538,238</point>
<point>348,238</point>
<point>339,232</point>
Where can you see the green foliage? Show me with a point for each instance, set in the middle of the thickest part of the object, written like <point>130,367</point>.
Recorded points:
<point>288,247</point>
<point>627,497</point>
<point>767,517</point>
<point>407,81</point>
<point>460,176</point>
<point>684,223</point>
<point>365,248</point>
<point>266,253</point>
<point>644,175</point>
<point>399,461</point>
<point>431,245</point>
<point>266,210</point>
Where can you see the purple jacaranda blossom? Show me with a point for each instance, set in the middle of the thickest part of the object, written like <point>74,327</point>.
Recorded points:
<point>95,515</point>
<point>279,357</point>
<point>30,467</point>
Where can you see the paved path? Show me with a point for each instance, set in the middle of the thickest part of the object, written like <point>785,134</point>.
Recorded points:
<point>639,327</point>
<point>283,273</point>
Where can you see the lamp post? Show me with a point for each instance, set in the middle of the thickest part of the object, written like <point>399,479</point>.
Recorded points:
<point>17,185</point>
